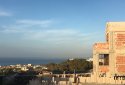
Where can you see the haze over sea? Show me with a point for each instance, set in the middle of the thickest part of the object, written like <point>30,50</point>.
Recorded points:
<point>13,61</point>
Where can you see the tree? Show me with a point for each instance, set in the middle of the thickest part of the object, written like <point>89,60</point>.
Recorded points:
<point>79,65</point>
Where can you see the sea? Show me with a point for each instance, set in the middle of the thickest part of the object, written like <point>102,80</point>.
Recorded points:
<point>34,61</point>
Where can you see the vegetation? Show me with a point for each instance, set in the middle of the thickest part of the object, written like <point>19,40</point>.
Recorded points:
<point>10,76</point>
<point>7,71</point>
<point>69,66</point>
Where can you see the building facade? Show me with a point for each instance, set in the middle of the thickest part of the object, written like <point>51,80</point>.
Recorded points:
<point>109,57</point>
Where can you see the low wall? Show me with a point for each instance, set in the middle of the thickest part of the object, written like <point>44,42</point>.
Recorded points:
<point>99,80</point>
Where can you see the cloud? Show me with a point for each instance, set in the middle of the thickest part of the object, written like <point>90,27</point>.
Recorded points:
<point>58,35</point>
<point>4,13</point>
<point>26,26</point>
<point>43,23</point>
<point>49,35</point>
<point>34,30</point>
<point>11,31</point>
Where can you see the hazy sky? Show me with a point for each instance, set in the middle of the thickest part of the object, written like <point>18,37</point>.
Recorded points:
<point>55,28</point>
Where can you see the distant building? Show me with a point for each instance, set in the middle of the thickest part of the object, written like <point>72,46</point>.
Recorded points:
<point>18,66</point>
<point>90,59</point>
<point>71,59</point>
<point>24,69</point>
<point>45,72</point>
<point>29,65</point>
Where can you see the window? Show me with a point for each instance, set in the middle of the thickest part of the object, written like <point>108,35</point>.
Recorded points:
<point>103,59</point>
<point>107,37</point>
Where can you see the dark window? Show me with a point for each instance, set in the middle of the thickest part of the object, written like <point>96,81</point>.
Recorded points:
<point>103,59</point>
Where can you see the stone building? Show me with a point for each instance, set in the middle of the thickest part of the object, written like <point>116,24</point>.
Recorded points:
<point>109,57</point>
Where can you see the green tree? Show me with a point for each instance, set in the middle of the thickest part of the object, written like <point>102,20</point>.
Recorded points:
<point>79,65</point>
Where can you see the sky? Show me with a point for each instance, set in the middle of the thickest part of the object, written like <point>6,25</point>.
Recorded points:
<point>52,29</point>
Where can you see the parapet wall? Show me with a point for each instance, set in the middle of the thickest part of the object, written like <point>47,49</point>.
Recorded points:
<point>100,80</point>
